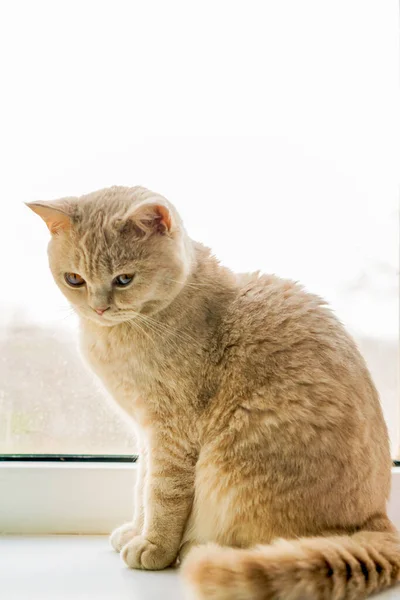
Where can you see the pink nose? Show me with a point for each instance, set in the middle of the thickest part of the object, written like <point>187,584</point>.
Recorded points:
<point>100,311</point>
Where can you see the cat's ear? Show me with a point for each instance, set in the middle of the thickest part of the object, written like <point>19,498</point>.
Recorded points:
<point>56,215</point>
<point>149,218</point>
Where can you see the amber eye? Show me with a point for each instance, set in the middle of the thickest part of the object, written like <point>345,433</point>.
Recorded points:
<point>74,279</point>
<point>123,280</point>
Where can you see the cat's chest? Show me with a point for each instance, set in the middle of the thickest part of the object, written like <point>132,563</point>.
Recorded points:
<point>117,360</point>
<point>134,373</point>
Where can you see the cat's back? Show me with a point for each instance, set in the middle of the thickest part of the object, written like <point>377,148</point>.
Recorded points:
<point>295,370</point>
<point>278,336</point>
<point>279,313</point>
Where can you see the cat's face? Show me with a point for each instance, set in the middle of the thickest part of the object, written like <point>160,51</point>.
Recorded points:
<point>116,253</point>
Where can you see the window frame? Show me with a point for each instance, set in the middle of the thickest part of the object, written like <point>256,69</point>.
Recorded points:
<point>83,497</point>
<point>56,497</point>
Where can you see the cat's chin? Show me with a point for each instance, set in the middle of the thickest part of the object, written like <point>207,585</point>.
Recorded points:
<point>102,321</point>
<point>109,322</point>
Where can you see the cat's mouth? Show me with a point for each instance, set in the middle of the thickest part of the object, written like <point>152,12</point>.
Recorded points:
<point>100,320</point>
<point>105,319</point>
<point>111,317</point>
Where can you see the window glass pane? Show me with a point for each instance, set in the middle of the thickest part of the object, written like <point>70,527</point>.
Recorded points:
<point>51,403</point>
<point>311,194</point>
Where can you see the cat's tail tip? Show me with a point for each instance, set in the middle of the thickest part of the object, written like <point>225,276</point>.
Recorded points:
<point>321,568</point>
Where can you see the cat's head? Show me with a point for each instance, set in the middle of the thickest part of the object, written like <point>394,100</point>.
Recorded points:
<point>116,252</point>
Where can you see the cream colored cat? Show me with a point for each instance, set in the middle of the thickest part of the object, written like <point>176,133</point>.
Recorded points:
<point>257,417</point>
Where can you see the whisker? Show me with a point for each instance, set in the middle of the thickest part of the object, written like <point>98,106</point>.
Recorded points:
<point>160,328</point>
<point>154,326</point>
<point>168,343</point>
<point>67,316</point>
<point>168,329</point>
<point>63,309</point>
<point>134,324</point>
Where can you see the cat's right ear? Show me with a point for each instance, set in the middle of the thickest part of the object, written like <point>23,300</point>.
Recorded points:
<point>54,214</point>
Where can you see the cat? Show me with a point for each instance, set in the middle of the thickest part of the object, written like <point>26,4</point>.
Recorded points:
<point>264,457</point>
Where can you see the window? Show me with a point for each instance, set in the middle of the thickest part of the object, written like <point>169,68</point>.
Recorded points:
<point>280,149</point>
<point>340,241</point>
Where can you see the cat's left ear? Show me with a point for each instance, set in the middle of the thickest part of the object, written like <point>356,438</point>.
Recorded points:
<point>149,218</point>
<point>56,215</point>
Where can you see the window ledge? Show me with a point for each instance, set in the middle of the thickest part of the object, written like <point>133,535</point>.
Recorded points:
<point>85,567</point>
<point>89,498</point>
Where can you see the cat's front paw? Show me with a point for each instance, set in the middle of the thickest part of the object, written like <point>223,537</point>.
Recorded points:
<point>141,553</point>
<point>122,535</point>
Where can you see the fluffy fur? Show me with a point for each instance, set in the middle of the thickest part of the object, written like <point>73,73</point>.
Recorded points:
<point>256,416</point>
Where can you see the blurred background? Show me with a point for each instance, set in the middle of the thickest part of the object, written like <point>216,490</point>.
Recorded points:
<point>272,126</point>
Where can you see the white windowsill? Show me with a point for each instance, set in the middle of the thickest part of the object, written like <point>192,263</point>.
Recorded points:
<point>84,568</point>
<point>76,568</point>
<point>87,498</point>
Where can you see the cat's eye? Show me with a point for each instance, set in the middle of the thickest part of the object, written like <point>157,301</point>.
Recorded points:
<point>123,280</point>
<point>74,279</point>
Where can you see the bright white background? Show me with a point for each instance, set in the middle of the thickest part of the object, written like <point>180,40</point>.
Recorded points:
<point>272,125</point>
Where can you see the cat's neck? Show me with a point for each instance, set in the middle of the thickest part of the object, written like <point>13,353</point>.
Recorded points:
<point>197,310</point>
<point>205,296</point>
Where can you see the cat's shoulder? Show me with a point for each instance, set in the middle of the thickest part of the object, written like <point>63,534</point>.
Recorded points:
<point>274,293</point>
<point>269,303</point>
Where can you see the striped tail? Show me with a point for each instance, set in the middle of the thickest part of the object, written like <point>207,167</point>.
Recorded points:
<point>319,568</point>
